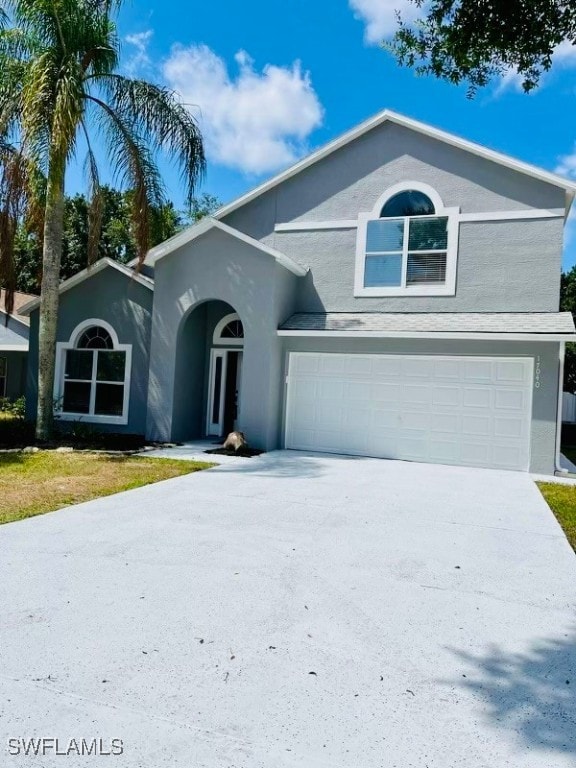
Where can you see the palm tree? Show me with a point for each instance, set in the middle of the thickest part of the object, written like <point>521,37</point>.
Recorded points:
<point>59,83</point>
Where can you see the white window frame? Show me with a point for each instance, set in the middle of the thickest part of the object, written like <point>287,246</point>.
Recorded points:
<point>62,348</point>
<point>4,377</point>
<point>448,288</point>
<point>217,338</point>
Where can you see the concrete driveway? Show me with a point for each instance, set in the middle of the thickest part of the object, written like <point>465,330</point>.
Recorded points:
<point>295,610</point>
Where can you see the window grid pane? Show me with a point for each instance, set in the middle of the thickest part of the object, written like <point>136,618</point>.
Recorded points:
<point>79,364</point>
<point>426,268</point>
<point>385,236</point>
<point>76,397</point>
<point>428,234</point>
<point>383,271</point>
<point>109,400</point>
<point>111,366</point>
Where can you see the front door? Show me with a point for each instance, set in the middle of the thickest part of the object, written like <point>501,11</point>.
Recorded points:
<point>224,392</point>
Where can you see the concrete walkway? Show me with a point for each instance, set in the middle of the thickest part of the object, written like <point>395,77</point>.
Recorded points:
<point>295,610</point>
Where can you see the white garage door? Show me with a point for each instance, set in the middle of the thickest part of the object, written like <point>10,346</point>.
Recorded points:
<point>474,411</point>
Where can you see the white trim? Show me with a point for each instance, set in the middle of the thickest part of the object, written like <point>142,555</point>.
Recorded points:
<point>214,428</point>
<point>94,269</point>
<point>317,226</point>
<point>217,335</point>
<point>557,460</point>
<point>414,125</point>
<point>533,213</point>
<point>405,186</point>
<point>499,336</point>
<point>204,226</point>
<point>90,323</point>
<point>14,347</point>
<point>91,418</point>
<point>448,288</point>
<point>306,226</point>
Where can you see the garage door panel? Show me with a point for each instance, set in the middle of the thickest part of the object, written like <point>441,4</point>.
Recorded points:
<point>477,397</point>
<point>450,397</point>
<point>447,369</point>
<point>510,428</point>
<point>456,410</point>
<point>510,399</point>
<point>511,373</point>
<point>477,425</point>
<point>386,394</point>
<point>418,369</point>
<point>447,423</point>
<point>388,367</point>
<point>417,393</point>
<point>382,419</point>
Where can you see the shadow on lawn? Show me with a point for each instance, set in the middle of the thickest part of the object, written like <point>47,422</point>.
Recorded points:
<point>532,693</point>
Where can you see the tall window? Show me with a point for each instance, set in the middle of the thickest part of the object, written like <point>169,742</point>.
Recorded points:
<point>94,376</point>
<point>407,246</point>
<point>3,376</point>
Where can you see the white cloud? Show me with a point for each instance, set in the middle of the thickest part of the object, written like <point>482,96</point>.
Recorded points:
<point>564,57</point>
<point>255,122</point>
<point>567,165</point>
<point>380,16</point>
<point>139,60</point>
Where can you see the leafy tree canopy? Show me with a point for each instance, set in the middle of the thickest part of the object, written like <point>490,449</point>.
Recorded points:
<point>474,41</point>
<point>117,238</point>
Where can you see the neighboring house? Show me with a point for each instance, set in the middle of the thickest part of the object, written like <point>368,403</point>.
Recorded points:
<point>394,294</point>
<point>14,332</point>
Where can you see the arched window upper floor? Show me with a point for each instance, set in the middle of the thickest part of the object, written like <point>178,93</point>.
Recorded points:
<point>407,245</point>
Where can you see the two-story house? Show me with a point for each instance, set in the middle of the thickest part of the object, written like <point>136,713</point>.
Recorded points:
<point>395,294</point>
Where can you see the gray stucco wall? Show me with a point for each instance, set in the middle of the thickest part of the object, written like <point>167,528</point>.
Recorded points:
<point>217,267</point>
<point>506,266</point>
<point>545,398</point>
<point>127,306</point>
<point>503,266</point>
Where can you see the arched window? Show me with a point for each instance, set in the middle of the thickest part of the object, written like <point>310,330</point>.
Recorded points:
<point>411,202</point>
<point>93,375</point>
<point>229,331</point>
<point>407,245</point>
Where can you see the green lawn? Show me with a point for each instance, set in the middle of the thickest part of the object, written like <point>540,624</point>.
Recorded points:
<point>32,484</point>
<point>562,501</point>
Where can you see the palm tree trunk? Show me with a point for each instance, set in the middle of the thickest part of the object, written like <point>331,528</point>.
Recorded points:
<point>49,296</point>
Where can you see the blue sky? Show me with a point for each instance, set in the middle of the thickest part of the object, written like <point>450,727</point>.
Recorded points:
<point>274,80</point>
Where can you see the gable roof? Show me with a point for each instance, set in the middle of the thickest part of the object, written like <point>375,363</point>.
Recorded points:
<point>387,116</point>
<point>79,277</point>
<point>209,223</point>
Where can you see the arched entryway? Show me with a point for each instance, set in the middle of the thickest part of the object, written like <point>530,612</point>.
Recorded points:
<point>208,381</point>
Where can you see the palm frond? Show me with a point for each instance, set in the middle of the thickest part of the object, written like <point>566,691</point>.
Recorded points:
<point>158,113</point>
<point>96,200</point>
<point>135,170</point>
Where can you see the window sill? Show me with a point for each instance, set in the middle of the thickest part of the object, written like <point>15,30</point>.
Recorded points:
<point>419,290</point>
<point>91,419</point>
